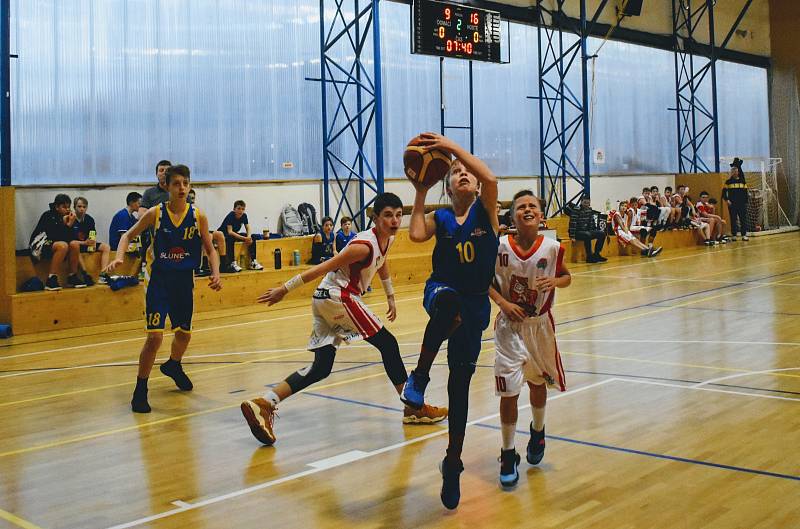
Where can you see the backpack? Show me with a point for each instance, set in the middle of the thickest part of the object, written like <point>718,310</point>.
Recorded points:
<point>291,225</point>
<point>38,243</point>
<point>309,216</point>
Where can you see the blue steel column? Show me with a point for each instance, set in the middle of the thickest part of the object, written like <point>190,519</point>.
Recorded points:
<point>349,119</point>
<point>585,101</point>
<point>713,44</point>
<point>5,97</point>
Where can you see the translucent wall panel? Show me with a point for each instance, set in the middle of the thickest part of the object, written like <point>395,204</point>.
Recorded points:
<point>105,88</point>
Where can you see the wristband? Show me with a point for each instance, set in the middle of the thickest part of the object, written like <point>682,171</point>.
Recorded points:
<point>294,283</point>
<point>387,287</point>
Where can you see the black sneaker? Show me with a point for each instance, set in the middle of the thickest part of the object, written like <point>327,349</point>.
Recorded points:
<point>75,282</point>
<point>87,279</point>
<point>592,259</point>
<point>600,258</point>
<point>451,487</point>
<point>509,461</point>
<point>52,283</point>
<point>655,251</point>
<point>535,446</point>
<point>174,370</point>
<point>139,402</point>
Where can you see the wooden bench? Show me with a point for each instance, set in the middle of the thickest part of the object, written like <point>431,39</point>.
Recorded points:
<point>90,262</point>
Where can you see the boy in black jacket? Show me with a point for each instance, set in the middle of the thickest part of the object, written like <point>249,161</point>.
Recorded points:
<point>583,227</point>
<point>57,223</point>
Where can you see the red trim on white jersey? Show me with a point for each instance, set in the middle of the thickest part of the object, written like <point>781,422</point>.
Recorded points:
<point>354,285</point>
<point>522,254</point>
<point>366,325</point>
<point>562,384</point>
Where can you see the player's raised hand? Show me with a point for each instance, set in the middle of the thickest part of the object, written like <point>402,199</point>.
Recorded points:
<point>431,140</point>
<point>513,311</point>
<point>273,295</point>
<point>214,282</point>
<point>391,314</point>
<point>112,265</point>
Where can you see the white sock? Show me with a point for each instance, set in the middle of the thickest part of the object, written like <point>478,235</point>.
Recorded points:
<point>508,435</point>
<point>538,419</point>
<point>272,398</point>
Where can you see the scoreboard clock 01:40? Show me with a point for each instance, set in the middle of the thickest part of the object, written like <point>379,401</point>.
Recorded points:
<point>455,30</point>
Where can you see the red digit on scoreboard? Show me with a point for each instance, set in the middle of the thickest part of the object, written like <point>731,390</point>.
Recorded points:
<point>449,45</point>
<point>473,18</point>
<point>447,13</point>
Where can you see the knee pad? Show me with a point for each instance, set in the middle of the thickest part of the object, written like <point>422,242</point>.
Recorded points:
<point>386,343</point>
<point>318,370</point>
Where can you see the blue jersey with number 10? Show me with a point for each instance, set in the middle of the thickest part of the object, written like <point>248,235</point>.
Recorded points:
<point>465,254</point>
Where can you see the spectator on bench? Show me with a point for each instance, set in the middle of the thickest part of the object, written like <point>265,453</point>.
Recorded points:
<point>124,219</point>
<point>230,230</point>
<point>664,210</point>
<point>57,223</point>
<point>697,222</point>
<point>344,235</point>
<point>152,196</point>
<point>715,223</point>
<point>83,229</point>
<point>583,227</point>
<point>323,246</point>
<point>675,211</point>
<point>622,227</point>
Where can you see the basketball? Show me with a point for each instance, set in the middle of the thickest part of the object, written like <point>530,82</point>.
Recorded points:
<point>423,165</point>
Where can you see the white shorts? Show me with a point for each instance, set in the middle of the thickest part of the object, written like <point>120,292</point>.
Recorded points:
<point>526,352</point>
<point>664,214</point>
<point>340,317</point>
<point>624,238</point>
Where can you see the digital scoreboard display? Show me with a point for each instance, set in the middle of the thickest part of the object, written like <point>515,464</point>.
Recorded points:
<point>454,30</point>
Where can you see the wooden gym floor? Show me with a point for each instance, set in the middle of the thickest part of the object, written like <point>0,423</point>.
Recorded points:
<point>683,374</point>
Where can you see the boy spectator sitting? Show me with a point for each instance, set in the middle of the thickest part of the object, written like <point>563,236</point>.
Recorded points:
<point>621,221</point>
<point>583,227</point>
<point>715,222</point>
<point>697,222</point>
<point>323,246</point>
<point>664,210</point>
<point>124,219</point>
<point>85,238</point>
<point>344,235</point>
<point>57,224</point>
<point>230,228</point>
<point>675,211</point>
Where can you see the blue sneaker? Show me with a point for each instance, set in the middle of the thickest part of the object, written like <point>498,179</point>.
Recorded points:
<point>451,488</point>
<point>414,390</point>
<point>535,446</point>
<point>509,461</point>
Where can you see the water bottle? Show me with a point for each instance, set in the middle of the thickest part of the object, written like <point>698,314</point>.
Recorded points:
<point>608,204</point>
<point>296,258</point>
<point>93,239</point>
<point>277,254</point>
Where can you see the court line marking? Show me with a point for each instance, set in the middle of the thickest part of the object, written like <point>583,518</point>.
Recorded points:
<point>709,342</point>
<point>291,477</point>
<point>688,280</point>
<point>711,390</point>
<point>16,520</point>
<point>416,298</point>
<point>105,433</point>
<point>658,456</point>
<point>194,331</point>
<point>761,372</point>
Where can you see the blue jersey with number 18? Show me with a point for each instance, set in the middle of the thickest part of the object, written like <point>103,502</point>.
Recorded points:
<point>177,243</point>
<point>465,254</point>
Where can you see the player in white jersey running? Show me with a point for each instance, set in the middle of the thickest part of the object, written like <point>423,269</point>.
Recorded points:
<point>341,316</point>
<point>529,268</point>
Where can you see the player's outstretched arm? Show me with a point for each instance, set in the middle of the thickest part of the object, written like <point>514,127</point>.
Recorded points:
<point>350,254</point>
<point>214,281</point>
<point>474,165</point>
<point>388,288</point>
<point>145,221</point>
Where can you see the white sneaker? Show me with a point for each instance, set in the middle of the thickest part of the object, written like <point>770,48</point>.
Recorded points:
<point>255,265</point>
<point>732,238</point>
<point>745,238</point>
<point>235,267</point>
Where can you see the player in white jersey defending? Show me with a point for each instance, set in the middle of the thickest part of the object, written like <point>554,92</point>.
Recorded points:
<point>341,316</point>
<point>529,268</point>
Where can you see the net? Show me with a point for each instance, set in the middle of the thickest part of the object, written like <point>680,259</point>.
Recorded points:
<point>764,210</point>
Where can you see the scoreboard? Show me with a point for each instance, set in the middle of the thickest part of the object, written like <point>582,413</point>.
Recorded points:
<point>455,30</point>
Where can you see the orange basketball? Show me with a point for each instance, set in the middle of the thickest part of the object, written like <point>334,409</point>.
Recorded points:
<point>423,165</point>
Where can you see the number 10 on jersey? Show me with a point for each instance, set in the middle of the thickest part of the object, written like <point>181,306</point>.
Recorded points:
<point>466,252</point>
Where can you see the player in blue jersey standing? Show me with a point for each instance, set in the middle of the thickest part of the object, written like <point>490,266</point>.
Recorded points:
<point>456,295</point>
<point>180,231</point>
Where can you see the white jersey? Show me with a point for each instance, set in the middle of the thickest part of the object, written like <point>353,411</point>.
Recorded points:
<point>357,277</point>
<point>516,272</point>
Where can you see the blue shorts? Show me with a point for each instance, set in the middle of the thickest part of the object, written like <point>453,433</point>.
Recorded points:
<point>169,293</point>
<point>464,346</point>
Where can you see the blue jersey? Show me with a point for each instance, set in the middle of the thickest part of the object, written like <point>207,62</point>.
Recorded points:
<point>177,243</point>
<point>465,255</point>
